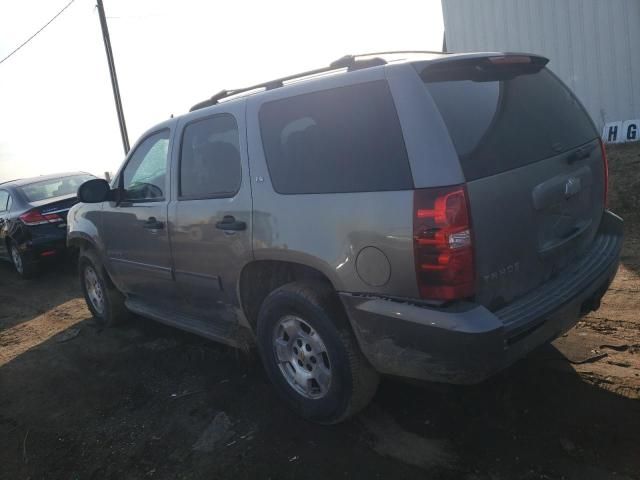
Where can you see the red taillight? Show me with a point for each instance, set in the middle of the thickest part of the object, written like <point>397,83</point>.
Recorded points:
<point>605,161</point>
<point>35,217</point>
<point>443,248</point>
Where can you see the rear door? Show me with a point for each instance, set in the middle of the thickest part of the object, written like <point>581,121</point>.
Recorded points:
<point>135,228</point>
<point>533,165</point>
<point>210,218</point>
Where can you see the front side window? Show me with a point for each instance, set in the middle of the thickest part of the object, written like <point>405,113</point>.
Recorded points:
<point>4,200</point>
<point>210,158</point>
<point>144,176</point>
<point>346,139</point>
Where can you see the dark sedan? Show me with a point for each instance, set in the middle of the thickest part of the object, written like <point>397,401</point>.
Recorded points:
<point>33,218</point>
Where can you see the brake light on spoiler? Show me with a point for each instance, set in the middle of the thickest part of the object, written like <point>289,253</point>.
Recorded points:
<point>510,60</point>
<point>443,246</point>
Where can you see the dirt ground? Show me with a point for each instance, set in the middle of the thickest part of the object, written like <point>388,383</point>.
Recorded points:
<point>149,401</point>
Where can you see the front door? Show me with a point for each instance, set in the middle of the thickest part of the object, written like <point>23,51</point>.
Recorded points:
<point>210,220</point>
<point>135,228</point>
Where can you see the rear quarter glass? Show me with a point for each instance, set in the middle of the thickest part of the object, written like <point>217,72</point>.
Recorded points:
<point>501,123</point>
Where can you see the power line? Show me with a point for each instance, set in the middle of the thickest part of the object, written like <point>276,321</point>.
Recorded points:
<point>33,36</point>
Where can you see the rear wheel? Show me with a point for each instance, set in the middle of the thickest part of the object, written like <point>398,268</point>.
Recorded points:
<point>104,300</point>
<point>25,267</point>
<point>310,354</point>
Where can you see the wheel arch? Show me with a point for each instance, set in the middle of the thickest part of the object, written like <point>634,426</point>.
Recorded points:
<point>261,277</point>
<point>83,242</point>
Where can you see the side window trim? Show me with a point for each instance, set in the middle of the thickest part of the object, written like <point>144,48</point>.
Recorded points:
<point>210,196</point>
<point>119,180</point>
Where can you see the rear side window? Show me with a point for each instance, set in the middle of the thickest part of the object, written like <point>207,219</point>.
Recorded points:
<point>346,139</point>
<point>210,158</point>
<point>500,122</point>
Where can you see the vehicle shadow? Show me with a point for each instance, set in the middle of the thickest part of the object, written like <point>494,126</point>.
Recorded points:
<point>538,419</point>
<point>22,300</point>
<point>143,398</point>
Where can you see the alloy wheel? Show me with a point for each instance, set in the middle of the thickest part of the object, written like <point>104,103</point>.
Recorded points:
<point>302,357</point>
<point>94,289</point>
<point>17,259</point>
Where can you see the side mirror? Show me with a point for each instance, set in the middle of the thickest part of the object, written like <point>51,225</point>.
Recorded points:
<point>94,191</point>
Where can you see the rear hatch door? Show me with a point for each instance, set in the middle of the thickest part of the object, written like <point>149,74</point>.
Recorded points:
<point>533,164</point>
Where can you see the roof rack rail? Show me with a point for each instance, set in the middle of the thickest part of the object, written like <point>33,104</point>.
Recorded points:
<point>391,52</point>
<point>348,61</point>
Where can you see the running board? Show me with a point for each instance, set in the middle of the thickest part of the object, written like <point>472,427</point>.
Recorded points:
<point>224,332</point>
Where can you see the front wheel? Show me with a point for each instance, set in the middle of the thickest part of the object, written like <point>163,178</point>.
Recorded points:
<point>104,300</point>
<point>310,354</point>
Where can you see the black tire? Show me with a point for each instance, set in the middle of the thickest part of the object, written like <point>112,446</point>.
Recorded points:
<point>113,309</point>
<point>353,380</point>
<point>25,266</point>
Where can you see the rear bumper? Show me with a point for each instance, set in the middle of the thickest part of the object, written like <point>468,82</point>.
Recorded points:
<point>43,241</point>
<point>468,343</point>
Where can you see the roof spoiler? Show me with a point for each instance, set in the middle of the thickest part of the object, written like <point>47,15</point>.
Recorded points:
<point>485,67</point>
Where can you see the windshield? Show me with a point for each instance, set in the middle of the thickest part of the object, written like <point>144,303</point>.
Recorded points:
<point>54,187</point>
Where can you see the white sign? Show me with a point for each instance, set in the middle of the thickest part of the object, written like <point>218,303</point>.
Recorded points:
<point>621,132</point>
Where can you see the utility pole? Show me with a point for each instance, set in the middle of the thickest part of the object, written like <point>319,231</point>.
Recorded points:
<point>114,77</point>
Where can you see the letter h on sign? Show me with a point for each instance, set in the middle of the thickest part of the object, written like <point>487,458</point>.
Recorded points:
<point>611,132</point>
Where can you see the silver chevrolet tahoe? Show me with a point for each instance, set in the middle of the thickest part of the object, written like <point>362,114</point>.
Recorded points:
<point>427,216</point>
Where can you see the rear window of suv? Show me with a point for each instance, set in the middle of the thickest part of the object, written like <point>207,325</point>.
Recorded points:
<point>346,139</point>
<point>501,122</point>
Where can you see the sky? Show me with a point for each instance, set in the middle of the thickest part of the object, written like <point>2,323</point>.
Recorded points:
<point>57,112</point>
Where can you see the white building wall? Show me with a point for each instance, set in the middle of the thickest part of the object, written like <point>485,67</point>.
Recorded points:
<point>593,45</point>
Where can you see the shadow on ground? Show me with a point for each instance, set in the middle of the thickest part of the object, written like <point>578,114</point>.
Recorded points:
<point>146,401</point>
<point>22,300</point>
